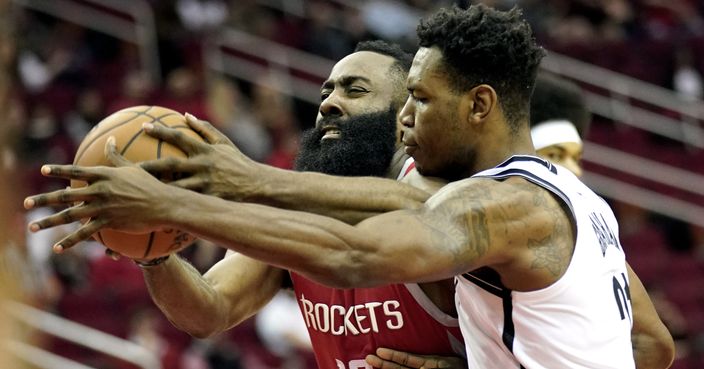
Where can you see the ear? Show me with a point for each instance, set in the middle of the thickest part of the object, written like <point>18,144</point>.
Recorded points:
<point>483,101</point>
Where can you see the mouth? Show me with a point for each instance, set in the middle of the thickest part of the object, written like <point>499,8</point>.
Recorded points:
<point>330,133</point>
<point>409,147</point>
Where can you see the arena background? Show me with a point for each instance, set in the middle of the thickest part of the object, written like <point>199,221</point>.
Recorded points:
<point>253,68</point>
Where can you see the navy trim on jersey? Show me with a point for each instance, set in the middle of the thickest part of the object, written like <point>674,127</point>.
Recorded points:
<point>489,280</point>
<point>533,178</point>
<point>535,159</point>
<point>509,330</point>
<point>486,279</point>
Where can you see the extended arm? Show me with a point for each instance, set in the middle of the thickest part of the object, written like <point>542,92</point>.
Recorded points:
<point>448,235</point>
<point>653,347</point>
<point>231,291</point>
<point>218,168</point>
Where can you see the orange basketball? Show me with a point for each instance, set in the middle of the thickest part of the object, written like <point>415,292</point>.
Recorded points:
<point>136,146</point>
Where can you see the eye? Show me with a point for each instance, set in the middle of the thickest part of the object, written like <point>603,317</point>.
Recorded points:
<point>357,90</point>
<point>324,95</point>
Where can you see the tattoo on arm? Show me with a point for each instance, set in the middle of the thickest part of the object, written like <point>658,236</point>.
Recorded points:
<point>553,251</point>
<point>460,224</point>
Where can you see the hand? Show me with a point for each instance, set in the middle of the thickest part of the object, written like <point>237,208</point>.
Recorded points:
<point>123,197</point>
<point>392,359</point>
<point>214,167</point>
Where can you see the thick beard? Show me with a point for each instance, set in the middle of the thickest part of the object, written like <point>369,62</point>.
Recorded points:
<point>365,147</point>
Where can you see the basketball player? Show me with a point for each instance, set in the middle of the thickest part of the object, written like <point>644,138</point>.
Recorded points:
<point>360,101</point>
<point>543,295</point>
<point>559,119</point>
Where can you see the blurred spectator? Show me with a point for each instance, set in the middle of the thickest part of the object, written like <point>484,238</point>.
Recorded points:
<point>281,327</point>
<point>229,112</point>
<point>323,38</point>
<point>89,110</point>
<point>687,80</point>
<point>184,93</point>
<point>274,110</point>
<point>201,15</point>
<point>391,20</point>
<point>136,89</point>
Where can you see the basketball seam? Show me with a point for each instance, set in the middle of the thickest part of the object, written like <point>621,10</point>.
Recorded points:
<point>149,244</point>
<point>79,155</point>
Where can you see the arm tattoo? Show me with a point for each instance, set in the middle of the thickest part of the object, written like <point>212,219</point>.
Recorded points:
<point>460,224</point>
<point>552,252</point>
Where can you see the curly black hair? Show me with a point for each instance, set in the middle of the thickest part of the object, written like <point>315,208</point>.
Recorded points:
<point>557,98</point>
<point>401,66</point>
<point>482,45</point>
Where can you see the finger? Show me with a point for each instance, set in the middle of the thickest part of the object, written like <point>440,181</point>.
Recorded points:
<point>66,216</point>
<point>113,156</point>
<point>403,358</point>
<point>188,144</point>
<point>377,362</point>
<point>88,174</point>
<point>81,234</point>
<point>168,165</point>
<point>190,183</point>
<point>206,130</point>
<point>58,197</point>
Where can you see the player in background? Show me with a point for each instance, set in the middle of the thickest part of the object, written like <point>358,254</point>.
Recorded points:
<point>559,120</point>
<point>489,123</point>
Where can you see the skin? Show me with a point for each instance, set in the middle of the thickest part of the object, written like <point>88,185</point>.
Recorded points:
<point>444,237</point>
<point>238,286</point>
<point>567,154</point>
<point>653,346</point>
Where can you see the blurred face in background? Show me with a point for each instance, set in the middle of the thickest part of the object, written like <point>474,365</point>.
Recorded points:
<point>559,142</point>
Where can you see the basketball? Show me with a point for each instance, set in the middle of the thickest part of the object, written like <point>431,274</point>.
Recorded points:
<point>136,146</point>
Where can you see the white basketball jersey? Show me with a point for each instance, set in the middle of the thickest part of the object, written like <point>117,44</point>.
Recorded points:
<point>583,320</point>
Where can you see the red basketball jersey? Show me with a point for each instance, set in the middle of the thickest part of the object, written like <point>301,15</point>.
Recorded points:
<point>347,325</point>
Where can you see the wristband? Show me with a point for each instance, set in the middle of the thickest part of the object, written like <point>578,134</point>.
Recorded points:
<point>152,262</point>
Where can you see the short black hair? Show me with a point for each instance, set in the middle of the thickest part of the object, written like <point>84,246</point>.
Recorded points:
<point>558,98</point>
<point>482,45</point>
<point>403,59</point>
<point>401,66</point>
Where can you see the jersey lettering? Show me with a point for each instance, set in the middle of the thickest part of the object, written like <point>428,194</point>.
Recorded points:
<point>622,294</point>
<point>354,320</point>
<point>603,232</point>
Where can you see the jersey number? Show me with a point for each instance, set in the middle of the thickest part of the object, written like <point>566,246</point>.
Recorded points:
<point>353,364</point>
<point>622,294</point>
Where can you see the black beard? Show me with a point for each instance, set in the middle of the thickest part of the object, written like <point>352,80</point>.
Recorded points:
<point>365,147</point>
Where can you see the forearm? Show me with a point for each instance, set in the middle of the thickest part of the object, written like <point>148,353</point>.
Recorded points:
<point>234,289</point>
<point>186,299</point>
<point>321,248</point>
<point>349,199</point>
<point>653,347</point>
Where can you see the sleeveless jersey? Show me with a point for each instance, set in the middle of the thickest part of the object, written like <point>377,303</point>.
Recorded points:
<point>583,320</point>
<point>347,325</point>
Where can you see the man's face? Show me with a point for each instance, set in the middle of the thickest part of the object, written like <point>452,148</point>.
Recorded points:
<point>567,154</point>
<point>356,128</point>
<point>432,130</point>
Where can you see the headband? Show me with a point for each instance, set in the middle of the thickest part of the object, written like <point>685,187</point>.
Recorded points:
<point>553,132</point>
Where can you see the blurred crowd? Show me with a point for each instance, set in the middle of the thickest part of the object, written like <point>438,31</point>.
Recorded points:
<point>58,79</point>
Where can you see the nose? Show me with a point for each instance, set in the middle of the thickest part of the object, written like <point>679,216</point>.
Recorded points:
<point>573,166</point>
<point>406,116</point>
<point>331,106</point>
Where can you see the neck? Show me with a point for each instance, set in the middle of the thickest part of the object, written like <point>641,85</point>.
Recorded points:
<point>501,148</point>
<point>397,162</point>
